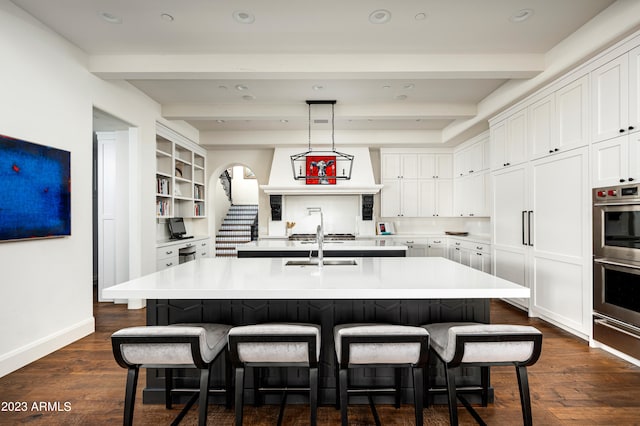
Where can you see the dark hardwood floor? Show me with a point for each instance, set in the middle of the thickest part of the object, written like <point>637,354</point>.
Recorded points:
<point>81,384</point>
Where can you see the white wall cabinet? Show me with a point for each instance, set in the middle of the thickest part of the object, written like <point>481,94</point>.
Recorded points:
<point>509,141</point>
<point>471,195</point>
<point>559,121</point>
<point>416,184</point>
<point>616,97</point>
<point>616,161</point>
<point>180,176</point>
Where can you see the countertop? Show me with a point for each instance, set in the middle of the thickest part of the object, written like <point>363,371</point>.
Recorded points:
<point>350,245</point>
<point>265,278</point>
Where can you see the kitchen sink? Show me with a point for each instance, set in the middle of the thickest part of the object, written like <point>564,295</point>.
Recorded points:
<point>325,262</point>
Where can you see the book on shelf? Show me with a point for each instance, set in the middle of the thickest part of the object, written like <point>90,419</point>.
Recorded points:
<point>162,185</point>
<point>162,208</point>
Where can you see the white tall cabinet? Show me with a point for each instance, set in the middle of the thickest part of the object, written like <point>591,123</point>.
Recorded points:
<point>541,229</point>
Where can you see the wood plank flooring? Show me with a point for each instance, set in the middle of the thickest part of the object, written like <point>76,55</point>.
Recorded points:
<point>571,384</point>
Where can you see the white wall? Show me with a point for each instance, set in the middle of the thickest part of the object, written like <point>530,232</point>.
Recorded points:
<point>46,285</point>
<point>243,191</point>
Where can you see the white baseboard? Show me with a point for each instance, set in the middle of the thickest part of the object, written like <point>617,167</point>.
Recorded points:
<point>20,357</point>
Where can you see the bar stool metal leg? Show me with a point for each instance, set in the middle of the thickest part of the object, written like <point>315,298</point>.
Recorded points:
<point>130,394</point>
<point>239,394</point>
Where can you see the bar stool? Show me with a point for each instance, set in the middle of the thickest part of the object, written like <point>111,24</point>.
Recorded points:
<point>485,345</point>
<point>167,347</point>
<point>275,345</point>
<point>380,345</point>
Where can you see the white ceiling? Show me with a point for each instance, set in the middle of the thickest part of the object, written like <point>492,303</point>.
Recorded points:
<point>406,74</point>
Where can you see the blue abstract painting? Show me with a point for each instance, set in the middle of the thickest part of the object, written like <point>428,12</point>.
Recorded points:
<point>35,190</point>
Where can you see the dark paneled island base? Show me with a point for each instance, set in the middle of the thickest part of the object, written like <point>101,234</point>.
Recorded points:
<point>327,313</point>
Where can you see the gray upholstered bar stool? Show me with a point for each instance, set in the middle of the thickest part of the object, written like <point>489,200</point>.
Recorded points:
<point>380,345</point>
<point>485,345</point>
<point>167,347</point>
<point>275,345</point>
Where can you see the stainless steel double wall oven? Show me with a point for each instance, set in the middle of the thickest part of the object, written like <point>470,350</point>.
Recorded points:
<point>616,267</point>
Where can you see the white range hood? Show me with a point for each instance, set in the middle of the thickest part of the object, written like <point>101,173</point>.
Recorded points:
<point>281,179</point>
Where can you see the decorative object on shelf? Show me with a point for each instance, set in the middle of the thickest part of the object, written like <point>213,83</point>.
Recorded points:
<point>322,167</point>
<point>385,228</point>
<point>456,233</point>
<point>290,226</point>
<point>179,169</point>
<point>248,174</point>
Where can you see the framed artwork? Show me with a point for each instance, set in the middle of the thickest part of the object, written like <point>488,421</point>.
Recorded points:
<point>248,174</point>
<point>35,190</point>
<point>321,170</point>
<point>385,228</point>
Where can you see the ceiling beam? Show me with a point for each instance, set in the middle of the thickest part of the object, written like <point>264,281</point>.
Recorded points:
<point>363,66</point>
<point>190,111</point>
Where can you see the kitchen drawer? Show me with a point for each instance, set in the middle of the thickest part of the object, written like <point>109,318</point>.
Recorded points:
<point>167,262</point>
<point>480,247</point>
<point>166,252</point>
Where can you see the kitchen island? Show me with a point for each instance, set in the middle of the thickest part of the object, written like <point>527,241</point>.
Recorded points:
<point>411,291</point>
<point>340,248</point>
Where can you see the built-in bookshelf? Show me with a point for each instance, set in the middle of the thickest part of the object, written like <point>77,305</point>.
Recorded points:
<point>180,176</point>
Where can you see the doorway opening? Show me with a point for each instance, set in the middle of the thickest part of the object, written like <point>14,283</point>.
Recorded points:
<point>113,211</point>
<point>235,203</point>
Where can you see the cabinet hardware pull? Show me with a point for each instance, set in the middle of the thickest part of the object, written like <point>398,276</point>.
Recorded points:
<point>556,149</point>
<point>621,130</point>
<point>524,213</point>
<point>478,247</point>
<point>169,264</point>
<point>169,252</point>
<point>631,127</point>
<point>631,179</point>
<point>550,151</point>
<point>622,180</point>
<point>479,254</point>
<point>529,214</point>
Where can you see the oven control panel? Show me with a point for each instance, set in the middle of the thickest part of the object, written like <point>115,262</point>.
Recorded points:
<point>617,194</point>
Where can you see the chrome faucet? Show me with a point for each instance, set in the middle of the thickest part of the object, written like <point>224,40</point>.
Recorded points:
<point>319,233</point>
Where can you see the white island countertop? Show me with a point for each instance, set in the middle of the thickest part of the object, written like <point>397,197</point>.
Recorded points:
<point>342,245</point>
<point>268,278</point>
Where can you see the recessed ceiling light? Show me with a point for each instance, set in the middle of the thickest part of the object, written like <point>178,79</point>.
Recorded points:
<point>317,87</point>
<point>222,87</point>
<point>386,86</point>
<point>241,87</point>
<point>521,15</point>
<point>220,121</point>
<point>284,121</point>
<point>420,16</point>
<point>166,17</point>
<point>409,86</point>
<point>248,97</point>
<point>401,97</point>
<point>380,16</point>
<point>243,17</point>
<point>110,18</point>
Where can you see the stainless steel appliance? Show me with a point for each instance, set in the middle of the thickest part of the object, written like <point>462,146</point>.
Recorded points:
<point>616,267</point>
<point>616,222</point>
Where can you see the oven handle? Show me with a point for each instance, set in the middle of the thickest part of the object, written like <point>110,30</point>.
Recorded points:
<point>605,323</point>
<point>524,213</point>
<point>628,203</point>
<point>612,263</point>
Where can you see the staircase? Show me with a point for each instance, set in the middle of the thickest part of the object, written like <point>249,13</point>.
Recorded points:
<point>238,227</point>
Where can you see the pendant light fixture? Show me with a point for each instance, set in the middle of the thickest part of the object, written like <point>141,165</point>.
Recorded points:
<point>322,167</point>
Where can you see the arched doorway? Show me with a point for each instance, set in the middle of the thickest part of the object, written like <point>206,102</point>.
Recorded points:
<point>235,208</point>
